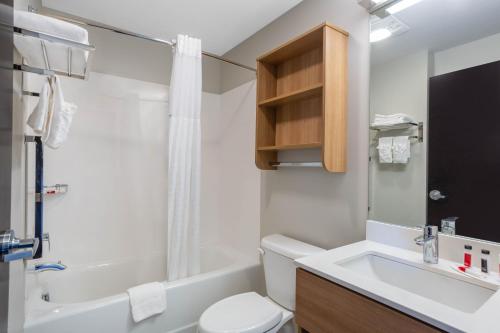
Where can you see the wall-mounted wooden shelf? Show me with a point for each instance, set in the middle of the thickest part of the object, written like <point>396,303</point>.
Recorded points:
<point>297,95</point>
<point>302,98</point>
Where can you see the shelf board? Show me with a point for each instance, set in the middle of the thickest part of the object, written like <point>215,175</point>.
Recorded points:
<point>291,147</point>
<point>314,90</point>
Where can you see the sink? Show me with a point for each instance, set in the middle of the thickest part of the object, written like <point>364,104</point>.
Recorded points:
<point>440,287</point>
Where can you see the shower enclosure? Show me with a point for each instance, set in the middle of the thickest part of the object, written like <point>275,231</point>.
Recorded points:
<point>109,225</point>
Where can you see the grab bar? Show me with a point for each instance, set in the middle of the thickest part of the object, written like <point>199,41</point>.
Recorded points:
<point>38,191</point>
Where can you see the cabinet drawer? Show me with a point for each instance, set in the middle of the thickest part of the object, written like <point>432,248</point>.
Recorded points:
<point>325,307</point>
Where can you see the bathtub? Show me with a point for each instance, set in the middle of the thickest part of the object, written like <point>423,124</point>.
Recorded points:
<point>93,298</point>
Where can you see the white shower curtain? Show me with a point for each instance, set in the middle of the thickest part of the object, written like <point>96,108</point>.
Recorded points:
<point>184,160</point>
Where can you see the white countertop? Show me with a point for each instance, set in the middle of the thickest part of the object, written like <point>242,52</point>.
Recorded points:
<point>484,320</point>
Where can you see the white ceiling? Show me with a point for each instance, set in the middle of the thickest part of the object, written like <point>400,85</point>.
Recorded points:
<point>221,24</point>
<point>438,25</point>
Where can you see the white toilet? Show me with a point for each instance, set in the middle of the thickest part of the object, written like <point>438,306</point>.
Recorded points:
<point>252,313</point>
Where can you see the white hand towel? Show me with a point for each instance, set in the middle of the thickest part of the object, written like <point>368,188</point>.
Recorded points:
<point>62,115</point>
<point>385,149</point>
<point>38,120</point>
<point>401,149</point>
<point>147,300</point>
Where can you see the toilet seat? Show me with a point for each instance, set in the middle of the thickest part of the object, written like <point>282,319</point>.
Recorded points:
<point>243,313</point>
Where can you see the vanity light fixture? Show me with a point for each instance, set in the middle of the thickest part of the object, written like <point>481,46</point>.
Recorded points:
<point>383,8</point>
<point>401,5</point>
<point>379,34</point>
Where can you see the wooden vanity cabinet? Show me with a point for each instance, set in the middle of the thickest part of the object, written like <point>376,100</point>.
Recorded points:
<point>326,307</point>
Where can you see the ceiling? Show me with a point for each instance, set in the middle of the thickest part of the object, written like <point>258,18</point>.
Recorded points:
<point>221,24</point>
<point>438,25</point>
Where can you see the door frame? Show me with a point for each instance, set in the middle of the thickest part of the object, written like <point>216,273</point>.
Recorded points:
<point>6,132</point>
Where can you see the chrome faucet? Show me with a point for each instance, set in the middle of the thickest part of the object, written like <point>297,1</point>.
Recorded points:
<point>429,241</point>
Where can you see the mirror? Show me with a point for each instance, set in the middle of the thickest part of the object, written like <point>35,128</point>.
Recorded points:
<point>435,115</point>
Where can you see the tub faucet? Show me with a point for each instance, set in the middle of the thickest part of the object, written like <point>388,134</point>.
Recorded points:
<point>50,266</point>
<point>430,244</point>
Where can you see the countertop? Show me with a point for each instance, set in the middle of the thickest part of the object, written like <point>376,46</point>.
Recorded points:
<point>325,264</point>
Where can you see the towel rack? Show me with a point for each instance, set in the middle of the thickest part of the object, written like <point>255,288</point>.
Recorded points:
<point>420,127</point>
<point>297,164</point>
<point>44,37</point>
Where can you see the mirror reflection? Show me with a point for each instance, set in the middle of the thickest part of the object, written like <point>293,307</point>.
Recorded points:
<point>435,115</point>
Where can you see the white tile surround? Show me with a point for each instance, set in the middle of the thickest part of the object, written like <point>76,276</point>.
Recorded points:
<point>115,162</point>
<point>450,247</point>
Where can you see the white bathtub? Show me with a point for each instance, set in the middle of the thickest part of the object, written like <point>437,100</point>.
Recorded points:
<point>93,298</point>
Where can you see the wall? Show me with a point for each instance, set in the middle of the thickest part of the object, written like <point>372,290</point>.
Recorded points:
<point>400,86</point>
<point>327,210</point>
<point>478,52</point>
<point>140,59</point>
<point>115,162</point>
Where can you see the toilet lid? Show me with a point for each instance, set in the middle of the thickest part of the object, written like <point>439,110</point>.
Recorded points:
<point>243,313</point>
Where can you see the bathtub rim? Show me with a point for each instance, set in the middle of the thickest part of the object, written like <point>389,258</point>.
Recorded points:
<point>39,311</point>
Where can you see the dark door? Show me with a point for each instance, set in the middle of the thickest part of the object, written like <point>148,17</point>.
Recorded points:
<point>464,150</point>
<point>6,95</point>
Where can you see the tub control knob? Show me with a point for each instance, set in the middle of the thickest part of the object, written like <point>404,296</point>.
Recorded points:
<point>12,248</point>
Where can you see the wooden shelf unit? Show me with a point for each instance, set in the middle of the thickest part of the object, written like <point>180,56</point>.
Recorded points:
<point>302,98</point>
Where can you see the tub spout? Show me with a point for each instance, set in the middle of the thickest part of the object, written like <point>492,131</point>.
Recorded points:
<point>50,266</point>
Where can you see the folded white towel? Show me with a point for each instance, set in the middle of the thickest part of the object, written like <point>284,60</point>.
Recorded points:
<point>385,149</point>
<point>51,26</point>
<point>147,300</point>
<point>401,149</point>
<point>62,115</point>
<point>391,119</point>
<point>57,54</point>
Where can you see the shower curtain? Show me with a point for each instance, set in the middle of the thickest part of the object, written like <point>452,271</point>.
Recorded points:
<point>184,160</point>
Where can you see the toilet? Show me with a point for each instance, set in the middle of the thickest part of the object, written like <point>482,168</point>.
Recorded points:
<point>252,313</point>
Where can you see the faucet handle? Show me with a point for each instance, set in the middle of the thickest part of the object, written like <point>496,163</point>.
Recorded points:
<point>430,231</point>
<point>46,238</point>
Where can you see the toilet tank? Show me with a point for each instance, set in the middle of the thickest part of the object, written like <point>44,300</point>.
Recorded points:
<point>279,267</point>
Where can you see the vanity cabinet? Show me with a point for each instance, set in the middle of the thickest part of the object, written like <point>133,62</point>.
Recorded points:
<point>326,307</point>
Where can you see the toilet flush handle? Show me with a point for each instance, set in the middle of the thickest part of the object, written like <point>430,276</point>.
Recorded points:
<point>261,251</point>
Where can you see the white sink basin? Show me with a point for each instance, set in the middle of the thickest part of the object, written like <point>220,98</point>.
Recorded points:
<point>442,288</point>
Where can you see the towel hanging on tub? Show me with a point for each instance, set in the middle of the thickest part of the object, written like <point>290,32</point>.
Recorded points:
<point>147,300</point>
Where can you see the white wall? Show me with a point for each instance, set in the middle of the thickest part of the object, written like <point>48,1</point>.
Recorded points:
<point>398,191</point>
<point>138,59</point>
<point>478,52</point>
<point>240,202</point>
<point>321,208</point>
<point>115,162</point>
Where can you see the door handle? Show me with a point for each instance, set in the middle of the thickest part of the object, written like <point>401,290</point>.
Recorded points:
<point>12,248</point>
<point>436,195</point>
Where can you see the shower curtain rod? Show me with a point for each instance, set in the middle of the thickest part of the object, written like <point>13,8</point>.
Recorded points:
<point>136,35</point>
